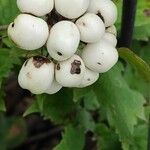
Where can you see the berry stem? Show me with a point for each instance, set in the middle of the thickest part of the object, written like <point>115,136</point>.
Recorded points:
<point>128,20</point>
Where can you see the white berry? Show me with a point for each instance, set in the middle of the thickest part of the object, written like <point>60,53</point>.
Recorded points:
<point>106,9</point>
<point>63,40</point>
<point>36,7</point>
<point>112,29</point>
<point>36,74</point>
<point>110,38</point>
<point>89,78</point>
<point>100,57</point>
<point>91,28</point>
<point>71,8</point>
<point>28,32</point>
<point>53,88</point>
<point>70,73</point>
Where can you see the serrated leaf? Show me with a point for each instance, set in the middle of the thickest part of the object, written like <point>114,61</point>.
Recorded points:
<point>140,138</point>
<point>79,94</point>
<point>91,102</point>
<point>124,105</point>
<point>85,120</point>
<point>140,65</point>
<point>88,96</point>
<point>107,138</point>
<point>137,83</point>
<point>73,139</point>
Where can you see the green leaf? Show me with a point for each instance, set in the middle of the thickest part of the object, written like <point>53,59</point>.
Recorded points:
<point>124,105</point>
<point>91,102</point>
<point>140,138</point>
<point>142,67</point>
<point>8,58</point>
<point>85,120</point>
<point>107,138</point>
<point>34,108</point>
<point>79,94</point>
<point>73,139</point>
<point>8,11</point>
<point>59,107</point>
<point>135,81</point>
<point>88,96</point>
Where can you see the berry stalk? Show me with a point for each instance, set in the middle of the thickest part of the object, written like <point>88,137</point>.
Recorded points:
<point>128,20</point>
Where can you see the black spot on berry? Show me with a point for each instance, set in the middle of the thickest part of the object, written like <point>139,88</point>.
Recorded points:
<point>89,79</point>
<point>38,61</point>
<point>75,67</point>
<point>13,24</point>
<point>58,67</point>
<point>99,63</point>
<point>60,54</point>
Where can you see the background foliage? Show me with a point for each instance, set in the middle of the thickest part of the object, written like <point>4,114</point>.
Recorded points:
<point>120,99</point>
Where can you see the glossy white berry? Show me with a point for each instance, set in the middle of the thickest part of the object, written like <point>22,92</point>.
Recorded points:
<point>69,73</point>
<point>28,32</point>
<point>89,78</point>
<point>36,74</point>
<point>106,9</point>
<point>112,29</point>
<point>100,57</point>
<point>91,28</point>
<point>36,7</point>
<point>53,88</point>
<point>71,8</point>
<point>110,38</point>
<point>63,40</point>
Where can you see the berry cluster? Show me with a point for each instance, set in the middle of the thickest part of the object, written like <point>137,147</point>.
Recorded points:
<point>64,25</point>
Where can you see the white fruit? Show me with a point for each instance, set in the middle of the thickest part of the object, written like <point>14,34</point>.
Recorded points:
<point>110,38</point>
<point>28,32</point>
<point>89,78</point>
<point>106,9</point>
<point>112,29</point>
<point>70,73</point>
<point>91,28</point>
<point>36,7</point>
<point>53,88</point>
<point>100,57</point>
<point>36,74</point>
<point>63,40</point>
<point>71,8</point>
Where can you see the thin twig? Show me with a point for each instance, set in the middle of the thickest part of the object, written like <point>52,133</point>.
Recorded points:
<point>3,27</point>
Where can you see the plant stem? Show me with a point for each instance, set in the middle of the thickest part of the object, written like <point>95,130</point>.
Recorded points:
<point>3,27</point>
<point>128,20</point>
